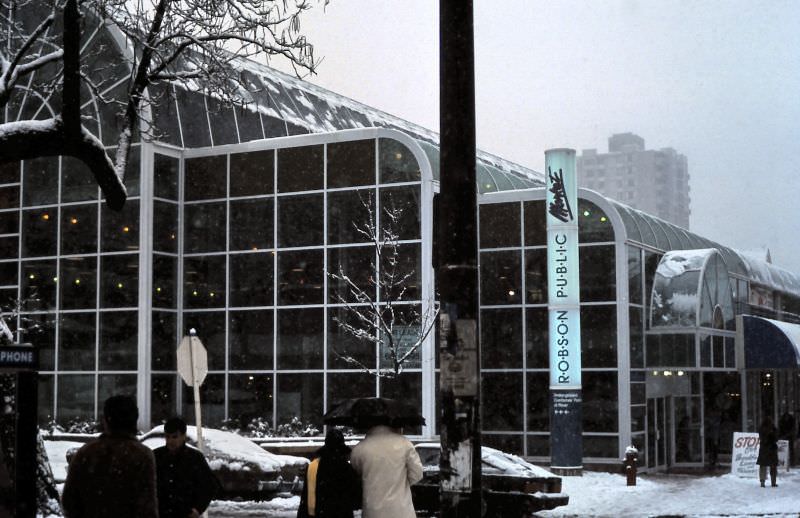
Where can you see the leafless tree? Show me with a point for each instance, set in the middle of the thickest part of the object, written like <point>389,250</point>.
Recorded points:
<point>397,329</point>
<point>194,42</point>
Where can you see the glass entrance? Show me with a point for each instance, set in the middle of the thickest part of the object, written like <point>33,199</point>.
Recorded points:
<point>659,433</point>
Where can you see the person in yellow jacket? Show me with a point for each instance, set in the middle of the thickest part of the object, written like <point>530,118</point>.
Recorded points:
<point>332,488</point>
<point>388,464</point>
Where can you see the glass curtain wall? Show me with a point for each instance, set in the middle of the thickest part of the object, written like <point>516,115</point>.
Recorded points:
<point>70,266</point>
<point>260,229</point>
<point>514,334</point>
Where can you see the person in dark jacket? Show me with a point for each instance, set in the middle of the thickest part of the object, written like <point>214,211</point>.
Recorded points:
<point>185,482</point>
<point>332,488</point>
<point>767,451</point>
<point>114,475</point>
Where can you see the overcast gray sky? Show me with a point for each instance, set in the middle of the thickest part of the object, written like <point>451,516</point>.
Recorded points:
<point>719,81</point>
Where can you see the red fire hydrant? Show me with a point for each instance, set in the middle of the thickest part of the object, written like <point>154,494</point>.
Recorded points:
<point>629,464</point>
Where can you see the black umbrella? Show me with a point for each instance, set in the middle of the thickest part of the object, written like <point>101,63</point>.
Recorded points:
<point>366,412</point>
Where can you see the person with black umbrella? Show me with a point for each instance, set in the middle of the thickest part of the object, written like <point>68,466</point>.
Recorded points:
<point>332,488</point>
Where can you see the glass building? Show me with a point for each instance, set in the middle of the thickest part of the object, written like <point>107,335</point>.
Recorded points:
<point>235,215</point>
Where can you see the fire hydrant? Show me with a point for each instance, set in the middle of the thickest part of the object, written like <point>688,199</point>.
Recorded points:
<point>629,464</point>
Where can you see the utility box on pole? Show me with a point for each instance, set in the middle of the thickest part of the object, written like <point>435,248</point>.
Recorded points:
<point>193,367</point>
<point>457,232</point>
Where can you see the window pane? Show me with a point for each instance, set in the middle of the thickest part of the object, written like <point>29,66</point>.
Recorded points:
<point>538,401</point>
<point>406,267</point>
<point>165,280</point>
<point>210,326</point>
<point>407,387</point>
<point>635,275</point>
<point>9,197</point>
<point>403,203</point>
<point>397,162</point>
<point>9,172</point>
<point>300,169</point>
<point>600,446</point>
<point>599,336</point>
<point>75,398</point>
<point>164,341</point>
<point>252,173</point>
<point>205,178</point>
<point>251,224</point>
<point>76,348</point>
<point>79,229</point>
<point>636,338</point>
<point>8,273</point>
<point>193,118</point>
<point>499,225</point>
<point>204,227</point>
<point>536,338</point>
<point>212,394</point>
<point>114,385</point>
<point>120,229</point>
<point>9,221</point>
<point>504,391</point>
<point>46,410</point>
<point>593,224</point>
<point>165,170</point>
<point>500,277</point>
<point>252,280</point>
<point>79,283</point>
<point>351,163</point>
<point>501,338</point>
<point>300,395</point>
<point>251,340</point>
<point>349,214</point>
<point>300,277</point>
<point>77,181</point>
<point>357,264</point>
<point>165,227</point>
<point>300,338</point>
<point>343,386</point>
<point>39,232</point>
<point>40,181</point>
<point>345,351</point>
<point>119,281</point>
<point>598,276</point>
<point>163,397</point>
<point>504,442</point>
<point>300,220</point>
<point>599,401</point>
<point>250,398</point>
<point>222,122</point>
<point>204,282</point>
<point>39,285</point>
<point>536,276</point>
<point>9,247</point>
<point>41,332</point>
<point>535,223</point>
<point>119,340</point>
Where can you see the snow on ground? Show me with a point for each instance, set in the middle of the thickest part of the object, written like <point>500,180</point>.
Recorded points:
<point>606,495</point>
<point>57,455</point>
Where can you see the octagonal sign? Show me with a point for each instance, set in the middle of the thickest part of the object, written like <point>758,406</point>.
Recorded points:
<point>192,361</point>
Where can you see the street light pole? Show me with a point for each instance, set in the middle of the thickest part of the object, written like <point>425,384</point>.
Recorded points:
<point>458,337</point>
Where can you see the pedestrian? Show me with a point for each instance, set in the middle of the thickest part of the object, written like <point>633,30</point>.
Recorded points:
<point>767,451</point>
<point>114,475</point>
<point>787,430</point>
<point>185,482</point>
<point>332,488</point>
<point>388,465</point>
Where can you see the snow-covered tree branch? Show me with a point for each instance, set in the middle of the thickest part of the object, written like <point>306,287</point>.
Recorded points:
<point>194,43</point>
<point>376,313</point>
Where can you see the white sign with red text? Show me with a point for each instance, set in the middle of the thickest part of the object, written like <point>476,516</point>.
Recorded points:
<point>745,454</point>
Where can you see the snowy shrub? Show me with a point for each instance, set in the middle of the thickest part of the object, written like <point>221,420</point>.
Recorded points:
<point>259,427</point>
<point>296,428</point>
<point>81,425</point>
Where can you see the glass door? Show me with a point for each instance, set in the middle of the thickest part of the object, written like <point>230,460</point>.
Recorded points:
<point>659,435</point>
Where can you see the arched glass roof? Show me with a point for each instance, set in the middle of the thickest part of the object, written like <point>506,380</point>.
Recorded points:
<point>663,235</point>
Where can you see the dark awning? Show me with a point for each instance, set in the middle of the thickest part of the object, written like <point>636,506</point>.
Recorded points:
<point>770,344</point>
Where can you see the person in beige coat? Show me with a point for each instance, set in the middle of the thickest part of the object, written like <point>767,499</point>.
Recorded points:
<point>388,465</point>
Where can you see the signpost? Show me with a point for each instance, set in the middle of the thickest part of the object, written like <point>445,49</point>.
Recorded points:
<point>563,286</point>
<point>193,367</point>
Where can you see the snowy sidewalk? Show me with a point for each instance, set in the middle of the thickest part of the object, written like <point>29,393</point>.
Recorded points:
<point>606,495</point>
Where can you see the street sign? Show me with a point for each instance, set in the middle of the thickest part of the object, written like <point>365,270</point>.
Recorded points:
<point>193,367</point>
<point>192,360</point>
<point>18,358</point>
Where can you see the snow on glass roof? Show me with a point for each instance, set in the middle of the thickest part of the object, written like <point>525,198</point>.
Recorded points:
<point>663,235</point>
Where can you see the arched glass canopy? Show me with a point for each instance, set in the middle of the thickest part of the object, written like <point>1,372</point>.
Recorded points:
<point>692,289</point>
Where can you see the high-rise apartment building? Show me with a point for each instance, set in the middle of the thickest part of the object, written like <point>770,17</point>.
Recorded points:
<point>654,181</point>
